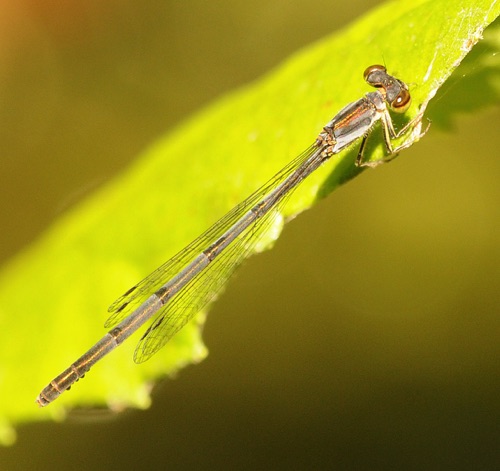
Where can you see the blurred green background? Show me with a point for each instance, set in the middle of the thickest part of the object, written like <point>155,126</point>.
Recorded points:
<point>368,338</point>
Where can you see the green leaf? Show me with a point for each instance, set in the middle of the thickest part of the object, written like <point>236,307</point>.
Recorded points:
<point>186,181</point>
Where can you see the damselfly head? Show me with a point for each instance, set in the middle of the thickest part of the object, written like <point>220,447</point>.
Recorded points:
<point>394,90</point>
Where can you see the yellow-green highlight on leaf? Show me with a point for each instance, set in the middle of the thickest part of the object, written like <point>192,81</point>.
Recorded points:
<point>62,284</point>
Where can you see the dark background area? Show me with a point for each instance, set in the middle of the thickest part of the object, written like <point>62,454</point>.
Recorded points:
<point>367,339</point>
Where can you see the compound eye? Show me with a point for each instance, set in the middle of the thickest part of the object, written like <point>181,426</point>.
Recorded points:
<point>373,75</point>
<point>402,101</point>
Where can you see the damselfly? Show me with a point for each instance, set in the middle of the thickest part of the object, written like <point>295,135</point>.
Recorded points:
<point>180,288</point>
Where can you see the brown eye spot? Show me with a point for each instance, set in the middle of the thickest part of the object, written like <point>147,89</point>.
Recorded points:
<point>370,70</point>
<point>402,101</point>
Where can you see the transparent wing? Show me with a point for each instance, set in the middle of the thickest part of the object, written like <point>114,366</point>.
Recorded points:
<point>203,288</point>
<point>126,303</point>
